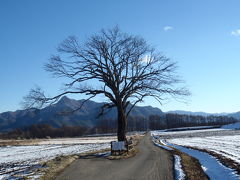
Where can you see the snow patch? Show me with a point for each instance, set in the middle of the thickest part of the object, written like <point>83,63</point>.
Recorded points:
<point>163,142</point>
<point>204,168</point>
<point>179,174</point>
<point>212,167</point>
<point>188,132</point>
<point>231,126</point>
<point>164,147</point>
<point>222,141</point>
<point>155,140</point>
<point>227,146</point>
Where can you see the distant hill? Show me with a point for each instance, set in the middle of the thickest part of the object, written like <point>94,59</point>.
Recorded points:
<point>51,115</point>
<point>85,117</point>
<point>189,113</point>
<point>234,115</point>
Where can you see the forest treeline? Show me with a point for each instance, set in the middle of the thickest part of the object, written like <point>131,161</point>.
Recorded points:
<point>136,123</point>
<point>156,122</point>
<point>46,131</point>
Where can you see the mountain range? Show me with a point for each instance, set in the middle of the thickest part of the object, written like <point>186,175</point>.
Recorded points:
<point>52,115</point>
<point>234,115</point>
<point>86,116</point>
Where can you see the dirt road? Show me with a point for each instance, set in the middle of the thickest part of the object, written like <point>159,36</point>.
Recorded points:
<point>151,163</point>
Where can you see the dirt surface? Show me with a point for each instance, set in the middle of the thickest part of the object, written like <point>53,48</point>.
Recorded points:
<point>152,163</point>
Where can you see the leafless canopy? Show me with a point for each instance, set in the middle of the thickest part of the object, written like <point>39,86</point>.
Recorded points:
<point>125,66</point>
<point>122,67</point>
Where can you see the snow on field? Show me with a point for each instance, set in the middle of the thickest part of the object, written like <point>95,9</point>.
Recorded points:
<point>21,159</point>
<point>214,169</point>
<point>223,141</point>
<point>195,133</point>
<point>15,154</point>
<point>227,146</point>
<point>231,126</point>
<point>188,132</point>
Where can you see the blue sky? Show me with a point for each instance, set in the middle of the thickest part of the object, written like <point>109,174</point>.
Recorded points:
<point>202,36</point>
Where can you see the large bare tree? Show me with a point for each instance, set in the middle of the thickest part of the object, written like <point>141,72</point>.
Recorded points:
<point>122,67</point>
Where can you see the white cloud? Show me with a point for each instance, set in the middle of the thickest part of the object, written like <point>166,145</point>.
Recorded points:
<point>146,58</point>
<point>236,32</point>
<point>168,28</point>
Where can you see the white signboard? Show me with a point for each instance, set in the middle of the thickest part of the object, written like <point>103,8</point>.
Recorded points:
<point>120,145</point>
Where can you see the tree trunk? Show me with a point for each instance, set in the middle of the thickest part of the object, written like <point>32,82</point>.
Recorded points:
<point>122,123</point>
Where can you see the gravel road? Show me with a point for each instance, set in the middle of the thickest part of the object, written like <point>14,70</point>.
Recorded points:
<point>151,163</point>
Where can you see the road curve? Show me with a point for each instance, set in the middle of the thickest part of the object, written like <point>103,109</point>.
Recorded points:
<point>151,163</point>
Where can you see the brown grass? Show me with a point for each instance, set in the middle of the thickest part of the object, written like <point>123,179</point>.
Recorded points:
<point>19,142</point>
<point>56,166</point>
<point>192,167</point>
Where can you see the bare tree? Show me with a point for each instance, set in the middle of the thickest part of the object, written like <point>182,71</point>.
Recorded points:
<point>122,67</point>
